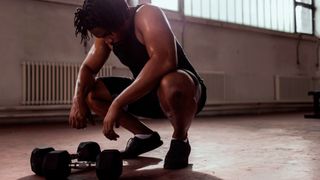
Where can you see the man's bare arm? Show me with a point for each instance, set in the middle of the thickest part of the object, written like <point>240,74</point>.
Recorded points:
<point>95,59</point>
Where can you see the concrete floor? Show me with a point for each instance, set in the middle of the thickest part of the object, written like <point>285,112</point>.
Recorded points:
<point>280,146</point>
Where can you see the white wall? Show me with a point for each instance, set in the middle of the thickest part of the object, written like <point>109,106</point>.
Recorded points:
<point>38,31</point>
<point>33,31</point>
<point>42,31</point>
<point>250,59</point>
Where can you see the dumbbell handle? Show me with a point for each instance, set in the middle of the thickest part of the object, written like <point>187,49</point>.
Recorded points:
<point>82,164</point>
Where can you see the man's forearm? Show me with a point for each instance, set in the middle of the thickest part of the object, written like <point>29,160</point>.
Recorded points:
<point>85,82</point>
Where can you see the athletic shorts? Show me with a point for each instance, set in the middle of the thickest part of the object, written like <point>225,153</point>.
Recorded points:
<point>148,106</point>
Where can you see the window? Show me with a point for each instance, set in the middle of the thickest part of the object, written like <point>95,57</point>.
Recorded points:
<point>167,4</point>
<point>268,14</point>
<point>304,16</point>
<point>280,15</point>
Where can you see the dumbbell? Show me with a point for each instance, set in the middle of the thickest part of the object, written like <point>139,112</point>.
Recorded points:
<point>109,165</point>
<point>57,164</point>
<point>37,157</point>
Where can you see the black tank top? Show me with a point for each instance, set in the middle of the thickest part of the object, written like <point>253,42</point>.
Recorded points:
<point>134,55</point>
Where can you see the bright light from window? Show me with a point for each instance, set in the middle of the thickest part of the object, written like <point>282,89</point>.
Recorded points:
<point>166,4</point>
<point>304,20</point>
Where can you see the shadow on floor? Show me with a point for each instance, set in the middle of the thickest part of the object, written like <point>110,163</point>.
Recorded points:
<point>139,169</point>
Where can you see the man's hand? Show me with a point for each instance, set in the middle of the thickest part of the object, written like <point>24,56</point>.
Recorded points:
<point>112,118</point>
<point>79,114</point>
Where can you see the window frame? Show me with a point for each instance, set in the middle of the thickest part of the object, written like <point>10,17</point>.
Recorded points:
<point>180,14</point>
<point>310,7</point>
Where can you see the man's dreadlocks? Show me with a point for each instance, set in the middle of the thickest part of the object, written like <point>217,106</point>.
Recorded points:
<point>108,14</point>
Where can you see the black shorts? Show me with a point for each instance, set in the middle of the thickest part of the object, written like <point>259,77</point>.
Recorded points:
<point>148,106</point>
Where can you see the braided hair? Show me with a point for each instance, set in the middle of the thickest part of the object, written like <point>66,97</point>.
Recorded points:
<point>108,14</point>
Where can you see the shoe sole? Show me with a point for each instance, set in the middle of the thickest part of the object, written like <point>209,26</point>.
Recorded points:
<point>127,156</point>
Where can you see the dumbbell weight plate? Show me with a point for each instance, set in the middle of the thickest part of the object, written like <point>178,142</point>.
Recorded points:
<point>36,159</point>
<point>109,165</point>
<point>88,151</point>
<point>56,165</point>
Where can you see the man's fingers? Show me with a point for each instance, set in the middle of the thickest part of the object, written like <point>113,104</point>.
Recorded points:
<point>111,135</point>
<point>80,123</point>
<point>73,122</point>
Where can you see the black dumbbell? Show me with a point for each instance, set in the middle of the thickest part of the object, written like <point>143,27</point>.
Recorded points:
<point>109,165</point>
<point>37,157</point>
<point>57,164</point>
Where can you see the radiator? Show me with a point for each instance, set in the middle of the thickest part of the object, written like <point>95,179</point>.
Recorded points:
<point>215,83</point>
<point>51,83</point>
<point>292,88</point>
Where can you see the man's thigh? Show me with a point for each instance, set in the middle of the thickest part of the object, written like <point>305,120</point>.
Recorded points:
<point>147,106</point>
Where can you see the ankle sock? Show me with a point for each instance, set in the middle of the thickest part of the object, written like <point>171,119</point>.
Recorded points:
<point>185,141</point>
<point>143,136</point>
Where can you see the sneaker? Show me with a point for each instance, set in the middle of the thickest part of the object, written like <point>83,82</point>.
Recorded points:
<point>178,155</point>
<point>137,146</point>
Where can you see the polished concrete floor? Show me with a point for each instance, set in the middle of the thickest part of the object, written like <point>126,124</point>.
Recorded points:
<point>272,147</point>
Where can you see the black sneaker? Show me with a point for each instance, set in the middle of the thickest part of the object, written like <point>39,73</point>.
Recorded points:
<point>178,155</point>
<point>137,146</point>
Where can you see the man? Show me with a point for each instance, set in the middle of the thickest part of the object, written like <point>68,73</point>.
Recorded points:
<point>164,85</point>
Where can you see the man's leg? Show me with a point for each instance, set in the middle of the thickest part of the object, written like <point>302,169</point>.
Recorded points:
<point>178,98</point>
<point>144,140</point>
<point>99,101</point>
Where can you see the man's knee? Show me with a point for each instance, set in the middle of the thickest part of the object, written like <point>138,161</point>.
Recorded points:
<point>97,93</point>
<point>176,86</point>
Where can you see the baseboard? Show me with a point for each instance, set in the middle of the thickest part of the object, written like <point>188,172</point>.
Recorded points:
<point>55,113</point>
<point>254,108</point>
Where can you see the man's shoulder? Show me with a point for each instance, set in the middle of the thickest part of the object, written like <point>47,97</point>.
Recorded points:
<point>147,10</point>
